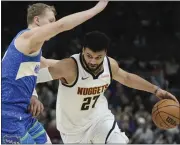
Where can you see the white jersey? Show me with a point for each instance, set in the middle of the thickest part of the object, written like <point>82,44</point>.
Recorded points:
<point>82,104</point>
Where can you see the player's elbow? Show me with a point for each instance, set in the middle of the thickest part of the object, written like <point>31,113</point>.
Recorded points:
<point>61,26</point>
<point>126,78</point>
<point>66,26</point>
<point>54,72</point>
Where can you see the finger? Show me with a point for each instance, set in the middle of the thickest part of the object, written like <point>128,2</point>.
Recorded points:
<point>34,110</point>
<point>42,107</point>
<point>38,111</point>
<point>170,96</point>
<point>31,108</point>
<point>176,100</point>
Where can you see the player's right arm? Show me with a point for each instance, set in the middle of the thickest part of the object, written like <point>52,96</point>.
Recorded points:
<point>47,62</point>
<point>57,69</point>
<point>43,33</point>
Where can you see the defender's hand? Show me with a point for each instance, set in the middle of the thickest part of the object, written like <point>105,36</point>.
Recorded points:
<point>35,107</point>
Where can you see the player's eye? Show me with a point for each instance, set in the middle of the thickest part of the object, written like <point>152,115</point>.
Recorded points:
<point>89,56</point>
<point>97,58</point>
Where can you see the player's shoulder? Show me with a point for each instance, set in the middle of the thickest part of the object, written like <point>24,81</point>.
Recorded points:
<point>113,64</point>
<point>23,41</point>
<point>27,33</point>
<point>68,68</point>
<point>68,63</point>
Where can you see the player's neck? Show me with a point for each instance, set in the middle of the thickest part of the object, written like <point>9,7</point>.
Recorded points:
<point>31,26</point>
<point>97,71</point>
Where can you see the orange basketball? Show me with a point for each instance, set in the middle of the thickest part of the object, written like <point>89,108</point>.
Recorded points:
<point>166,114</point>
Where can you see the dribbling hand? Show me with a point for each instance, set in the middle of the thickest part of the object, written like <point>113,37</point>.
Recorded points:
<point>162,94</point>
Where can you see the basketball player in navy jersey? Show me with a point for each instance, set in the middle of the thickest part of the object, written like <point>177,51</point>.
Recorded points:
<point>82,113</point>
<point>20,66</point>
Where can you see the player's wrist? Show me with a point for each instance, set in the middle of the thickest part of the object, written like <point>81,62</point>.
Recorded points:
<point>156,90</point>
<point>101,5</point>
<point>94,11</point>
<point>35,93</point>
<point>97,9</point>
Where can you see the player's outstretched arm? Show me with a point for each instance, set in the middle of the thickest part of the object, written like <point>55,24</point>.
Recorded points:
<point>136,82</point>
<point>47,62</point>
<point>66,23</point>
<point>44,74</point>
<point>56,69</point>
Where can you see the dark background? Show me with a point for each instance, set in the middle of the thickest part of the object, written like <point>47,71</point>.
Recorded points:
<point>145,40</point>
<point>146,30</point>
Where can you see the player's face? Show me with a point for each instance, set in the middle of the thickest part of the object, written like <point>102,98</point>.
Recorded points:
<point>93,59</point>
<point>46,18</point>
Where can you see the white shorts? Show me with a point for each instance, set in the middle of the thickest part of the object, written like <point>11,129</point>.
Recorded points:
<point>48,139</point>
<point>103,132</point>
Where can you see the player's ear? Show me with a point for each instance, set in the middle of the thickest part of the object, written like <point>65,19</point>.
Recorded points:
<point>83,50</point>
<point>36,20</point>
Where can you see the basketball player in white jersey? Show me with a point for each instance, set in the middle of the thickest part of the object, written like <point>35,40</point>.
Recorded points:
<point>82,112</point>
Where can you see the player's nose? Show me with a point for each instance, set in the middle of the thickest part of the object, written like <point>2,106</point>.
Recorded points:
<point>93,61</point>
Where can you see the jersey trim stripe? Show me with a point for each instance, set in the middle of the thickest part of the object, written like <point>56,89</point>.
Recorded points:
<point>28,69</point>
<point>110,70</point>
<point>110,131</point>
<point>77,76</point>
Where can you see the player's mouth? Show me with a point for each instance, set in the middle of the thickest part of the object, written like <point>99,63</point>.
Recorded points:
<point>93,66</point>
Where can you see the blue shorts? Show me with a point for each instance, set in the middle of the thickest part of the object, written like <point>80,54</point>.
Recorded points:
<point>23,131</point>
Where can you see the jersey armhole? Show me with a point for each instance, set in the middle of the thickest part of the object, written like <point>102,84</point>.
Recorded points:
<point>34,54</point>
<point>77,76</point>
<point>14,40</point>
<point>109,66</point>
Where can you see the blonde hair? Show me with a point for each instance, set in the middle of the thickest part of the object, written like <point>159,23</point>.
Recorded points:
<point>36,10</point>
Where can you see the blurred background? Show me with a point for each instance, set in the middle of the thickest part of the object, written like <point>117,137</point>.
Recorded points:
<point>145,40</point>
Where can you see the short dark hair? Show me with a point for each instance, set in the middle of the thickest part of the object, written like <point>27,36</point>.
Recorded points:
<point>36,10</point>
<point>96,41</point>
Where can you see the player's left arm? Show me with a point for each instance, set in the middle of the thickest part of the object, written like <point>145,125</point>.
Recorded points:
<point>136,82</point>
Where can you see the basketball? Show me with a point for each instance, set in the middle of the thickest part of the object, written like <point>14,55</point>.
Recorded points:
<point>166,114</point>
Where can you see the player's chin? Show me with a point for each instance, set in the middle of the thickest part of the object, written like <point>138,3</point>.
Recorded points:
<point>93,68</point>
